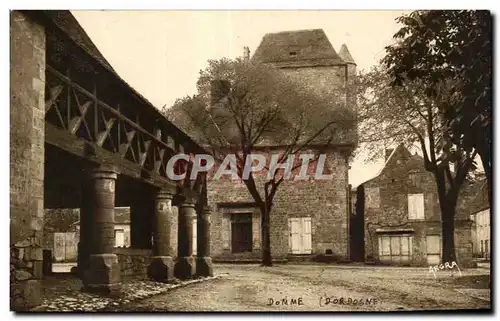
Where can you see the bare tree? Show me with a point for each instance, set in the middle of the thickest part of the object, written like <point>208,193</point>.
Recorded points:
<point>242,106</point>
<point>60,219</point>
<point>406,115</point>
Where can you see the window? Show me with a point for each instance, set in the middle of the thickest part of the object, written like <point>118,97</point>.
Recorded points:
<point>416,207</point>
<point>300,240</point>
<point>395,248</point>
<point>293,53</point>
<point>414,178</point>
<point>372,195</point>
<point>119,238</point>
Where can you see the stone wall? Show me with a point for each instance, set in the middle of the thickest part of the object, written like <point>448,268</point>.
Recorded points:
<point>333,84</point>
<point>27,120</point>
<point>324,201</point>
<point>133,262</point>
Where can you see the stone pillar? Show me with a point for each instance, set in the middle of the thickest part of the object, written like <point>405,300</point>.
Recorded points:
<point>161,267</point>
<point>203,259</point>
<point>103,274</point>
<point>185,267</point>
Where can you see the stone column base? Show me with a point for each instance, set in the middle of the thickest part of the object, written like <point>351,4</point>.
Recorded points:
<point>204,266</point>
<point>161,268</point>
<point>103,274</point>
<point>185,268</point>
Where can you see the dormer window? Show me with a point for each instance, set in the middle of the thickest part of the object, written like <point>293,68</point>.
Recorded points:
<point>293,53</point>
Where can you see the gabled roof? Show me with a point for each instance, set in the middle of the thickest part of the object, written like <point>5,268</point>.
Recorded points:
<point>390,158</point>
<point>346,55</point>
<point>299,47</point>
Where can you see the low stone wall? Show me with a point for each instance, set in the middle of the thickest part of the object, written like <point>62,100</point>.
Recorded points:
<point>25,273</point>
<point>133,262</point>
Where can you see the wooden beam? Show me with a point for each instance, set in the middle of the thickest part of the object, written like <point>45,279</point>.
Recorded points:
<point>62,139</point>
<point>54,92</point>
<point>77,120</point>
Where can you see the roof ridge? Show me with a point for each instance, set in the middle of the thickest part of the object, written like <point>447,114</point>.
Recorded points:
<point>295,46</point>
<point>384,166</point>
<point>294,30</point>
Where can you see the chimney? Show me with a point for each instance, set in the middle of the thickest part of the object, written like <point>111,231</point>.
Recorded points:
<point>388,152</point>
<point>246,53</point>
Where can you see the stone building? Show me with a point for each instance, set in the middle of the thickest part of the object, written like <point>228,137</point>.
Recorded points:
<point>396,215</point>
<point>480,215</point>
<point>308,218</point>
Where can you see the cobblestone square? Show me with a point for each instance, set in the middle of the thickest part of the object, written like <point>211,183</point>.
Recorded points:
<point>324,288</point>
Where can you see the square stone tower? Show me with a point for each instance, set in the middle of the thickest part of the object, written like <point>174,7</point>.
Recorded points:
<point>309,57</point>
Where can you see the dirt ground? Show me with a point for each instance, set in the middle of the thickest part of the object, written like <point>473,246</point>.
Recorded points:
<point>325,288</point>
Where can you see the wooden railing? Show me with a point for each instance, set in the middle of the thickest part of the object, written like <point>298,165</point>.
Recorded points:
<point>72,108</point>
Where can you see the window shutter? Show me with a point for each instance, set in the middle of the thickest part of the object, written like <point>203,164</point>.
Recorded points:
<point>416,207</point>
<point>226,224</point>
<point>433,244</point>
<point>256,230</point>
<point>419,204</point>
<point>306,235</point>
<point>295,235</point>
<point>289,235</point>
<point>195,237</point>
<point>411,207</point>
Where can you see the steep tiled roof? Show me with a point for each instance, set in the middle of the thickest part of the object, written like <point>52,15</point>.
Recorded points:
<point>297,48</point>
<point>70,26</point>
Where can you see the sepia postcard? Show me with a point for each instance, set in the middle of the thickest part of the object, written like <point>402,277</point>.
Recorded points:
<point>250,161</point>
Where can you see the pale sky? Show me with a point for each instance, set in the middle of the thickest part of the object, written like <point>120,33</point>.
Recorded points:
<point>160,53</point>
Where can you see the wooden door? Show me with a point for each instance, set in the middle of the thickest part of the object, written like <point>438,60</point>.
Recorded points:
<point>300,239</point>
<point>241,233</point>
<point>433,249</point>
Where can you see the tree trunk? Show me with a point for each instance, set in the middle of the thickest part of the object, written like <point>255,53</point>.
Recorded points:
<point>266,239</point>
<point>448,203</point>
<point>448,232</point>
